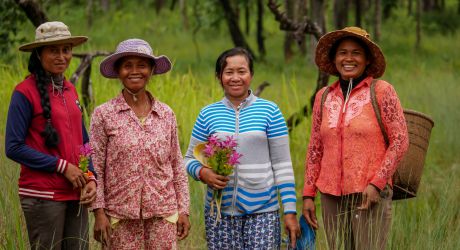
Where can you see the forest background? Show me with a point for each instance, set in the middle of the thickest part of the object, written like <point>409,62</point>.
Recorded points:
<point>420,40</point>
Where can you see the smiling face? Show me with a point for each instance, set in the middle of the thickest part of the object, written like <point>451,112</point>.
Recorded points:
<point>134,72</point>
<point>236,79</point>
<point>350,59</point>
<point>55,59</point>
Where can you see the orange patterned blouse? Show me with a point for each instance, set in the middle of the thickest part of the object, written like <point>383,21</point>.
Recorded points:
<point>347,150</point>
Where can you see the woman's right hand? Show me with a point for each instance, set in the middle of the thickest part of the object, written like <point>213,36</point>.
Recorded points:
<point>102,227</point>
<point>212,179</point>
<point>75,176</point>
<point>309,212</point>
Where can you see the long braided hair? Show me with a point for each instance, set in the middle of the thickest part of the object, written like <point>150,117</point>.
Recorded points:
<point>43,79</point>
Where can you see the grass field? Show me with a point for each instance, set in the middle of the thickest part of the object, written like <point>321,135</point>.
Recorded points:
<point>426,80</point>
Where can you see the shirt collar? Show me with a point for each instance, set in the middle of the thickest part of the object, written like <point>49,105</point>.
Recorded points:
<point>246,102</point>
<point>365,82</point>
<point>121,104</point>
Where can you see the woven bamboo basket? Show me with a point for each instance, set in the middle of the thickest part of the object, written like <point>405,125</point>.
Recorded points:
<point>407,177</point>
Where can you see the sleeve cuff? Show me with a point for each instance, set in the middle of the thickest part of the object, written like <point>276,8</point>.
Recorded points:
<point>289,208</point>
<point>379,183</point>
<point>61,166</point>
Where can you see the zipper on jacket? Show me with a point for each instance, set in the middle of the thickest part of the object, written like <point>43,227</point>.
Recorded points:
<point>69,122</point>
<point>237,131</point>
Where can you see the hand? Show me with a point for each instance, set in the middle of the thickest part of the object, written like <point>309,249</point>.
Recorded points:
<point>88,193</point>
<point>309,212</point>
<point>102,227</point>
<point>75,176</point>
<point>212,179</point>
<point>183,226</point>
<point>370,196</point>
<point>292,228</point>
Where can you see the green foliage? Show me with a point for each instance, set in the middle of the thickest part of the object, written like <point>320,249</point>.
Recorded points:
<point>445,22</point>
<point>11,19</point>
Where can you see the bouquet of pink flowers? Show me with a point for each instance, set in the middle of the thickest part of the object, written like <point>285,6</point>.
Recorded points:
<point>221,157</point>
<point>83,163</point>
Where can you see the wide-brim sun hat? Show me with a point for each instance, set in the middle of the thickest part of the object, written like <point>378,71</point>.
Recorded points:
<point>377,65</point>
<point>133,47</point>
<point>52,33</point>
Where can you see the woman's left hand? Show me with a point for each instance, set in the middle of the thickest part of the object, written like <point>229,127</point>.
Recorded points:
<point>88,193</point>
<point>370,196</point>
<point>183,226</point>
<point>292,228</point>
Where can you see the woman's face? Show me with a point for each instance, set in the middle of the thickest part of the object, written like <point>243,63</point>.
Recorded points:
<point>236,78</point>
<point>135,72</point>
<point>350,59</point>
<point>55,59</point>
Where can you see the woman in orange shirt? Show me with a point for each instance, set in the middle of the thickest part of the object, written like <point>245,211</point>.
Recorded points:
<point>348,160</point>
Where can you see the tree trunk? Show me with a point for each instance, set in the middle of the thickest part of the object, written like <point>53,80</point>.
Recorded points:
<point>409,8</point>
<point>159,5</point>
<point>418,17</point>
<point>247,18</point>
<point>377,20</point>
<point>358,13</point>
<point>288,35</point>
<point>105,5</point>
<point>301,14</point>
<point>260,28</point>
<point>235,31</point>
<point>340,13</point>
<point>89,13</point>
<point>33,11</point>
<point>183,13</point>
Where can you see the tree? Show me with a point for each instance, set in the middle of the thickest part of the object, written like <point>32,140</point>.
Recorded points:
<point>232,23</point>
<point>10,20</point>
<point>33,11</point>
<point>358,12</point>
<point>377,19</point>
<point>341,13</point>
<point>260,28</point>
<point>288,35</point>
<point>418,28</point>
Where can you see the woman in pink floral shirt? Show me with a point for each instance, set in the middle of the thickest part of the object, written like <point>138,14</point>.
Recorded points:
<point>348,160</point>
<point>142,193</point>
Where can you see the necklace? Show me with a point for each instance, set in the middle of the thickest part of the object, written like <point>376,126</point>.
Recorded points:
<point>133,94</point>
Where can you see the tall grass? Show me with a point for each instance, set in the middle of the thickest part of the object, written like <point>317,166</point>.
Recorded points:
<point>426,80</point>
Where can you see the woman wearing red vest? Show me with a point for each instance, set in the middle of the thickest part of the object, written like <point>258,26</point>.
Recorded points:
<point>44,133</point>
<point>348,161</point>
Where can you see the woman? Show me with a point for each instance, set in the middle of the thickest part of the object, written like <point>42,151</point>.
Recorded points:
<point>250,217</point>
<point>44,133</point>
<point>348,160</point>
<point>142,193</point>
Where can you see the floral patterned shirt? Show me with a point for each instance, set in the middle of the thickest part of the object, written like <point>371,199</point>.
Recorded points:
<point>347,150</point>
<point>139,166</point>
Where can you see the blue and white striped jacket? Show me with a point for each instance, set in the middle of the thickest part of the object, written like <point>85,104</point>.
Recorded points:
<point>265,168</point>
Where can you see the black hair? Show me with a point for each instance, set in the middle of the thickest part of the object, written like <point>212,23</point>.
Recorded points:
<point>43,80</point>
<point>335,46</point>
<point>222,59</point>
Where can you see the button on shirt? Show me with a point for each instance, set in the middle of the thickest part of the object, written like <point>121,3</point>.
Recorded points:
<point>140,165</point>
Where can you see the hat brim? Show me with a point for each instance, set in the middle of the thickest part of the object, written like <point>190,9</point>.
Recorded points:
<point>74,40</point>
<point>376,68</point>
<point>107,67</point>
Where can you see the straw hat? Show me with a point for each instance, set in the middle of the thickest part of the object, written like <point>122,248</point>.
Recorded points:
<point>52,33</point>
<point>134,47</point>
<point>377,65</point>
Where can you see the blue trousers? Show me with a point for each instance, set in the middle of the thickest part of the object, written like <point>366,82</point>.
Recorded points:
<point>254,231</point>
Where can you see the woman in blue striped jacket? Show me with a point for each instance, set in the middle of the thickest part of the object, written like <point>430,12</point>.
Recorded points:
<point>250,216</point>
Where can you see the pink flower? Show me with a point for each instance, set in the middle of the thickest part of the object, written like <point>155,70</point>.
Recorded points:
<point>230,143</point>
<point>208,149</point>
<point>234,158</point>
<point>86,150</point>
<point>213,140</point>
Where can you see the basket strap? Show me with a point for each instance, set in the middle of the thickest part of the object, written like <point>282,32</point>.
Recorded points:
<point>323,99</point>
<point>375,105</point>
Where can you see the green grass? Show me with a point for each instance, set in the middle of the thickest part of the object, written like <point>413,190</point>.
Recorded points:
<point>426,80</point>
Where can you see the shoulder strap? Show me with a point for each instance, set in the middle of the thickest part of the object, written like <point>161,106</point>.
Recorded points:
<point>323,99</point>
<point>375,105</point>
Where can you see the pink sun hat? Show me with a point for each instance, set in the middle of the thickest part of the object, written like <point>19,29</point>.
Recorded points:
<point>134,47</point>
